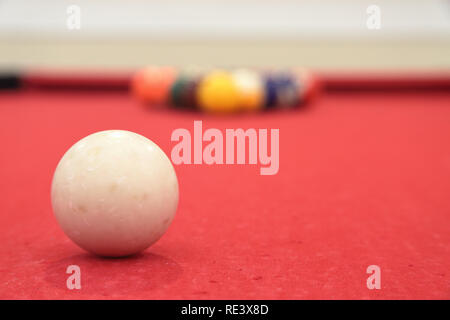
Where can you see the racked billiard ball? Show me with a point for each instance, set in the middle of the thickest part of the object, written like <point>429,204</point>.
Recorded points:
<point>250,89</point>
<point>270,90</point>
<point>217,92</point>
<point>287,90</point>
<point>176,92</point>
<point>184,91</point>
<point>152,84</point>
<point>308,84</point>
<point>114,193</point>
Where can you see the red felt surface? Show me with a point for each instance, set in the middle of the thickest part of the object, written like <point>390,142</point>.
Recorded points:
<point>364,179</point>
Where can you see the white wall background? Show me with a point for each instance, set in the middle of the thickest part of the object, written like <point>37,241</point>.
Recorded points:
<point>218,19</point>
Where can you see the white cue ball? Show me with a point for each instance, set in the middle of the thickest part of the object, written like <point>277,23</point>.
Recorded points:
<point>114,193</point>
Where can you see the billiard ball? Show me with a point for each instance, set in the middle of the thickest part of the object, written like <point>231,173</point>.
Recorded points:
<point>114,193</point>
<point>189,96</point>
<point>270,90</point>
<point>250,89</point>
<point>183,92</point>
<point>176,92</point>
<point>217,92</point>
<point>152,84</point>
<point>287,90</point>
<point>309,85</point>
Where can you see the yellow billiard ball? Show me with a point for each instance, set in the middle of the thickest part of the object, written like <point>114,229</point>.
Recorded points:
<point>217,92</point>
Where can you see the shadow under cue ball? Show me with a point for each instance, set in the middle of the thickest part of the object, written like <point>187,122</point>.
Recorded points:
<point>114,193</point>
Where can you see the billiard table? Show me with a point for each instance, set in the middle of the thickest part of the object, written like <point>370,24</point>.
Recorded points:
<point>364,179</point>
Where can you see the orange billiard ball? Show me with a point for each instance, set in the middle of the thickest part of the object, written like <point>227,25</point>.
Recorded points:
<point>152,84</point>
